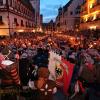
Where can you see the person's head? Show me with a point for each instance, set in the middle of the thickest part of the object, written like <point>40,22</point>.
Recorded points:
<point>5,50</point>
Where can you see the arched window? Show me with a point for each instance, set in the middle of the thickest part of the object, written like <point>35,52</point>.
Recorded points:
<point>1,20</point>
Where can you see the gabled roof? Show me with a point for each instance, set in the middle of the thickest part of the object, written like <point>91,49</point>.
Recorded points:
<point>67,5</point>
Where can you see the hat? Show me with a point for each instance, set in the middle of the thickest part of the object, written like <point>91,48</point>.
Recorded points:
<point>43,72</point>
<point>24,55</point>
<point>72,56</point>
<point>5,50</point>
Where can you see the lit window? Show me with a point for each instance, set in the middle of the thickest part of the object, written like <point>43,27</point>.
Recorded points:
<point>94,17</point>
<point>92,27</point>
<point>91,5</point>
<point>86,19</point>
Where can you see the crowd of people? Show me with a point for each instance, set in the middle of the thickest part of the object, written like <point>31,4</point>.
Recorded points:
<point>31,54</point>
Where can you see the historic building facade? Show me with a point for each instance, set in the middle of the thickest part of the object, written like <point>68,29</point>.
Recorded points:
<point>68,18</point>
<point>49,28</point>
<point>36,6</point>
<point>16,16</point>
<point>90,15</point>
<point>59,20</point>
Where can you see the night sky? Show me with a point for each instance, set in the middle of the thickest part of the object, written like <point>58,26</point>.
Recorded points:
<point>49,8</point>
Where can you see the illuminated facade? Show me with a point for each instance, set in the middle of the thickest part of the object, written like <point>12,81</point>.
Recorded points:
<point>90,15</point>
<point>16,16</point>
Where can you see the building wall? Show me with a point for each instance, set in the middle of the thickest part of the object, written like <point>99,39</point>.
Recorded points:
<point>49,27</point>
<point>16,10</point>
<point>59,20</point>
<point>4,26</point>
<point>20,27</point>
<point>36,6</point>
<point>71,16</point>
<point>9,23</point>
<point>90,15</point>
<point>69,19</point>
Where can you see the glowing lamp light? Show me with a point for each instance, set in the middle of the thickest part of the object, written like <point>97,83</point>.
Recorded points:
<point>95,43</point>
<point>91,6</point>
<point>29,44</point>
<point>85,18</point>
<point>71,38</point>
<point>94,17</point>
<point>92,27</point>
<point>20,30</point>
<point>15,39</point>
<point>90,46</point>
<point>33,30</point>
<point>40,30</point>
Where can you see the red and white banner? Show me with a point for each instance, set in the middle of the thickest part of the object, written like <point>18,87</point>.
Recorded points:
<point>14,75</point>
<point>61,70</point>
